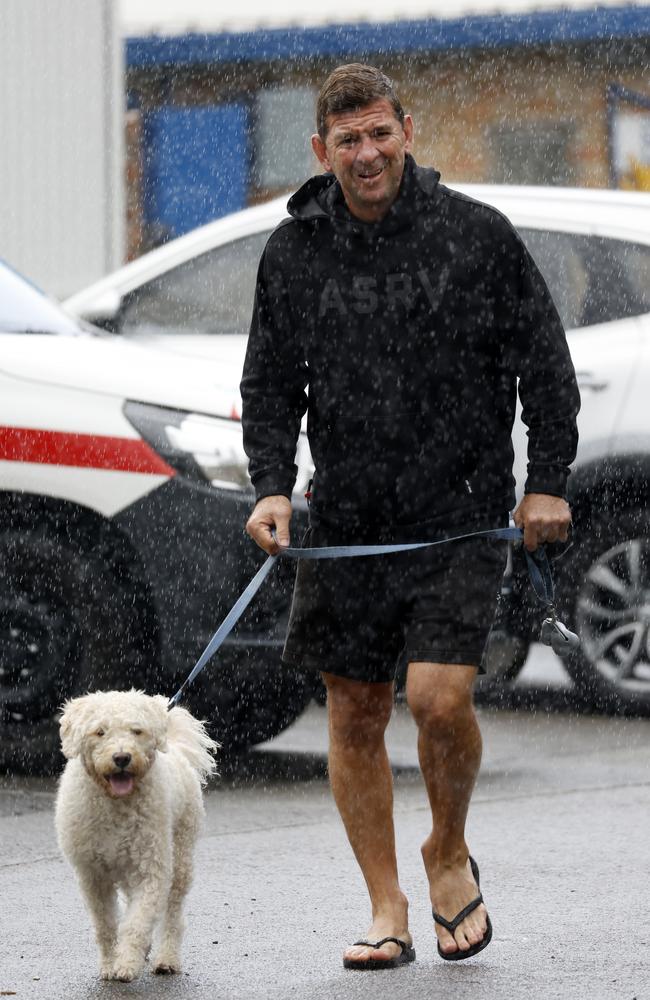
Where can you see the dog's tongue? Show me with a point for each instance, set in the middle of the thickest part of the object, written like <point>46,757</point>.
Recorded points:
<point>121,784</point>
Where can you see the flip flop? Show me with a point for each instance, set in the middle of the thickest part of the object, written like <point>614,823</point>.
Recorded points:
<point>407,954</point>
<point>451,925</point>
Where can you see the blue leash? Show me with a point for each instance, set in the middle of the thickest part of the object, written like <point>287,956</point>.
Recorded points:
<point>540,578</point>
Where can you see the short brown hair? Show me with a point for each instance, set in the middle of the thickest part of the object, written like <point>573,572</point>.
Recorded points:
<point>351,87</point>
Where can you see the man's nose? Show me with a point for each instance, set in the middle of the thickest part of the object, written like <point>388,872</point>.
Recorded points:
<point>367,150</point>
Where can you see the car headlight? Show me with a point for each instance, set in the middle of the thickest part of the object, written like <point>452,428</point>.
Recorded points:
<point>196,445</point>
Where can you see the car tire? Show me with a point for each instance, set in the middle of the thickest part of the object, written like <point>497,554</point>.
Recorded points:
<point>604,591</point>
<point>67,625</point>
<point>248,697</point>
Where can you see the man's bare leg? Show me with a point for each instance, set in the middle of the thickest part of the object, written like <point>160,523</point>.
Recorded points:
<point>449,748</point>
<point>362,786</point>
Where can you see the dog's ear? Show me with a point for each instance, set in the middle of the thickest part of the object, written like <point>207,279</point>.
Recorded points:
<point>160,721</point>
<point>70,730</point>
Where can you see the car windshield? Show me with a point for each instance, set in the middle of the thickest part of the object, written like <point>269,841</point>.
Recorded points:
<point>25,309</point>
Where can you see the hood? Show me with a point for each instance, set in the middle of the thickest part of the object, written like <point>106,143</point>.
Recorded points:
<point>226,351</point>
<point>110,366</point>
<point>321,197</point>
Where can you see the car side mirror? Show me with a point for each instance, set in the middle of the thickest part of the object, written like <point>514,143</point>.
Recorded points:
<point>104,311</point>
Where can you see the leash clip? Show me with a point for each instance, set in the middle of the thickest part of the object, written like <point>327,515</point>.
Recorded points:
<point>555,634</point>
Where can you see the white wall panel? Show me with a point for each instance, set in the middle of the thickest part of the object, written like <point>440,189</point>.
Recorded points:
<point>61,140</point>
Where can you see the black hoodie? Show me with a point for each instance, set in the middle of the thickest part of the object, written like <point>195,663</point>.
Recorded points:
<point>410,335</point>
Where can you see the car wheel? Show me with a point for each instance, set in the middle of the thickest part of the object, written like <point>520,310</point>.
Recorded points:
<point>248,696</point>
<point>605,593</point>
<point>66,626</point>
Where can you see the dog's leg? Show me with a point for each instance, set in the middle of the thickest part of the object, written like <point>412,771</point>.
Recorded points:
<point>168,952</point>
<point>145,902</point>
<point>101,899</point>
<point>146,892</point>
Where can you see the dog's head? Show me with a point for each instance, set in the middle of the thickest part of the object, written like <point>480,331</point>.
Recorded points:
<point>116,734</point>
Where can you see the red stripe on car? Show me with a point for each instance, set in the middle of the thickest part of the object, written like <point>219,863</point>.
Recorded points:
<point>86,451</point>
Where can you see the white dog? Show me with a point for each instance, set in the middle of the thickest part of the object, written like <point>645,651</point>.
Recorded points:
<point>128,813</point>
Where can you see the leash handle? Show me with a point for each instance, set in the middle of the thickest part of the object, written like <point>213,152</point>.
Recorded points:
<point>554,633</point>
<point>541,578</point>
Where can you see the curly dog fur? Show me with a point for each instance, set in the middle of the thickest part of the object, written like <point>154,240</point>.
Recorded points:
<point>128,813</point>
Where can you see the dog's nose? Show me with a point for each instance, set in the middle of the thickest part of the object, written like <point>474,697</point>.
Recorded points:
<point>122,759</point>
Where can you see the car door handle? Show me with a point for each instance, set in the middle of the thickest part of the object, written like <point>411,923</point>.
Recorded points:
<point>587,380</point>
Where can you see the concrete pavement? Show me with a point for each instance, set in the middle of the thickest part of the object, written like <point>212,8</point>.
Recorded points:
<point>559,825</point>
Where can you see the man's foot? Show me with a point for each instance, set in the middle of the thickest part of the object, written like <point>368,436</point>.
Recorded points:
<point>381,927</point>
<point>453,887</point>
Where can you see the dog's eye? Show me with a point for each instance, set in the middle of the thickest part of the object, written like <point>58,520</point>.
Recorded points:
<point>137,732</point>
<point>100,732</point>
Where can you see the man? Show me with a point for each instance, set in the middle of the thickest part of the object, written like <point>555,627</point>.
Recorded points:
<point>410,311</point>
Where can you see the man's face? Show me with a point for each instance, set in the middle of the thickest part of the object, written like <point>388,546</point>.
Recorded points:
<point>365,151</point>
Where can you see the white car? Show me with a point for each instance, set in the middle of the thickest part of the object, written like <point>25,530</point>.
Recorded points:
<point>123,500</point>
<point>194,296</point>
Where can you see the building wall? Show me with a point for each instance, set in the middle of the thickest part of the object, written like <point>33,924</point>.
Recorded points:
<point>533,115</point>
<point>61,114</point>
<point>460,101</point>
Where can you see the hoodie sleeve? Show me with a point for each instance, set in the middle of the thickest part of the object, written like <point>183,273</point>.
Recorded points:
<point>548,389</point>
<point>273,386</point>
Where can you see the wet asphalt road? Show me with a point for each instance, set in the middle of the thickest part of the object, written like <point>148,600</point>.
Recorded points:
<point>559,824</point>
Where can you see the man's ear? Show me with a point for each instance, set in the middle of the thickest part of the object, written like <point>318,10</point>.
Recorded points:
<point>70,729</point>
<point>320,151</point>
<point>408,133</point>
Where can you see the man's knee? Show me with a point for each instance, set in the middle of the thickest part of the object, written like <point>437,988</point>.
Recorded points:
<point>358,712</point>
<point>440,696</point>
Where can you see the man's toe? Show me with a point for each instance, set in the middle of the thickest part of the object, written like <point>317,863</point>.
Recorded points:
<point>447,943</point>
<point>463,941</point>
<point>362,953</point>
<point>358,953</point>
<point>473,935</point>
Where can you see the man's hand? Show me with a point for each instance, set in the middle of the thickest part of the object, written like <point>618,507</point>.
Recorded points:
<point>270,514</point>
<point>543,518</point>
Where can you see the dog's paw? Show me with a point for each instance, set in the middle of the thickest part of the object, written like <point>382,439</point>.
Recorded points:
<point>163,969</point>
<point>166,965</point>
<point>125,971</point>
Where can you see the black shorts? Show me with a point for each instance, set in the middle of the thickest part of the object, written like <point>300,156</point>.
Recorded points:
<point>357,617</point>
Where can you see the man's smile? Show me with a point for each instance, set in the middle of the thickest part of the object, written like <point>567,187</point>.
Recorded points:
<point>365,175</point>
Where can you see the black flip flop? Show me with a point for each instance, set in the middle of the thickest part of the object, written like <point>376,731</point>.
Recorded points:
<point>451,925</point>
<point>407,954</point>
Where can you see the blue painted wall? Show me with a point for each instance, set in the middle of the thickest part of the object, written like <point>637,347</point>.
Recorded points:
<point>196,165</point>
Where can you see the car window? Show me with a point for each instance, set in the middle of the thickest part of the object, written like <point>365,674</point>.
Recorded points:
<point>592,279</point>
<point>25,309</point>
<point>212,293</point>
